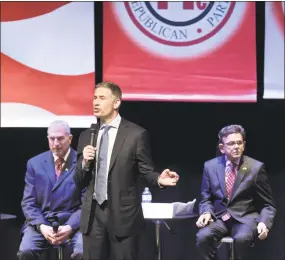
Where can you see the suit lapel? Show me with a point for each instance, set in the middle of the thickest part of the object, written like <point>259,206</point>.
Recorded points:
<point>49,167</point>
<point>120,138</point>
<point>67,169</point>
<point>221,173</point>
<point>240,175</point>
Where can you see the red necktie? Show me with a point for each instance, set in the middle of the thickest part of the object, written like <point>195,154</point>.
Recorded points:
<point>230,178</point>
<point>58,166</point>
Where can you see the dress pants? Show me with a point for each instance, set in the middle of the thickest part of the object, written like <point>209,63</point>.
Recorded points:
<point>209,237</point>
<point>101,244</point>
<point>33,244</point>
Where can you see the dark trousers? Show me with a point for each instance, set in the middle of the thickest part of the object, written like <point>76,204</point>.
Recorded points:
<point>33,244</point>
<point>101,244</point>
<point>209,237</point>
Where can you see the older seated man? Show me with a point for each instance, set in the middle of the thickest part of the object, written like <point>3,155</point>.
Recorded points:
<point>51,195</point>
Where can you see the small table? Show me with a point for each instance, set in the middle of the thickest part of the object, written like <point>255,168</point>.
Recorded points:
<point>9,236</point>
<point>7,216</point>
<point>159,212</point>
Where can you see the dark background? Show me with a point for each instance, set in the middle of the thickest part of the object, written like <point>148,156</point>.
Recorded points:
<point>183,136</point>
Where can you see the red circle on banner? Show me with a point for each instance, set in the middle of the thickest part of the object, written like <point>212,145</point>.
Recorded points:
<point>279,14</point>
<point>186,43</point>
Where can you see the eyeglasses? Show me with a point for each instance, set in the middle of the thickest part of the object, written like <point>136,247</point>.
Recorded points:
<point>233,143</point>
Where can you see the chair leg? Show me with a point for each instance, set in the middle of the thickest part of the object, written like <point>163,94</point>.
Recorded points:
<point>60,253</point>
<point>232,251</point>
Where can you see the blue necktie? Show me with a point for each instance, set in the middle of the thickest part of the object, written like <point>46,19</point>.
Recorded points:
<point>101,177</point>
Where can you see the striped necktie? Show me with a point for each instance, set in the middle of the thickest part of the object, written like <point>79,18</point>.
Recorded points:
<point>230,178</point>
<point>58,166</point>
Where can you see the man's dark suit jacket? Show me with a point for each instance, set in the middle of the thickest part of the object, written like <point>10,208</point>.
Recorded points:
<point>131,158</point>
<point>47,198</point>
<point>251,200</point>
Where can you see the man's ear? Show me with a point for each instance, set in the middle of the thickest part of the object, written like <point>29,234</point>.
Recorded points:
<point>221,147</point>
<point>70,138</point>
<point>117,104</point>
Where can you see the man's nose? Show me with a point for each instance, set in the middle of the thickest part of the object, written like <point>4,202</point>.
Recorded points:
<point>56,142</point>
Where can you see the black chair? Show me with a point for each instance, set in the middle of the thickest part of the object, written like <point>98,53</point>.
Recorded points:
<point>54,252</point>
<point>229,240</point>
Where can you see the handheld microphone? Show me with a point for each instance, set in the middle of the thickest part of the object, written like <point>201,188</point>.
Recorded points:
<point>55,226</point>
<point>93,130</point>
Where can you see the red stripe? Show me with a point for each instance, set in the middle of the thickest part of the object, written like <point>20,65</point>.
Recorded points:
<point>13,11</point>
<point>59,94</point>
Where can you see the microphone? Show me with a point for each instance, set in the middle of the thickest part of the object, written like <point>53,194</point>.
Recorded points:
<point>93,130</point>
<point>55,226</point>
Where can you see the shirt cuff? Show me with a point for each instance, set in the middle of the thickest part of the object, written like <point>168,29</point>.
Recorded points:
<point>38,228</point>
<point>85,166</point>
<point>159,185</point>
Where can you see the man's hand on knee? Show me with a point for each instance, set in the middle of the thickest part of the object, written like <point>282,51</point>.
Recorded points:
<point>262,230</point>
<point>204,220</point>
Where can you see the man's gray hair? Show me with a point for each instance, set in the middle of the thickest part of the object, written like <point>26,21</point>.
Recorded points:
<point>231,129</point>
<point>59,123</point>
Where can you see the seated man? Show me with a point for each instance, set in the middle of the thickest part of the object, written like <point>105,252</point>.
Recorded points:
<point>236,197</point>
<point>50,195</point>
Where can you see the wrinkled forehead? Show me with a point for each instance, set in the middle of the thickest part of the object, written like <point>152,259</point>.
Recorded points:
<point>57,131</point>
<point>101,91</point>
<point>233,137</point>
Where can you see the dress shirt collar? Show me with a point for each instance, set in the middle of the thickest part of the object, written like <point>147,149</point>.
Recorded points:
<point>114,123</point>
<point>65,156</point>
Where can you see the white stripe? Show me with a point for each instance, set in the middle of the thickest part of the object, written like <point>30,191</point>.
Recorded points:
<point>60,42</point>
<point>23,115</point>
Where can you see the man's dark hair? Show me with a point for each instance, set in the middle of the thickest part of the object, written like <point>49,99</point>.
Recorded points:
<point>231,129</point>
<point>115,89</point>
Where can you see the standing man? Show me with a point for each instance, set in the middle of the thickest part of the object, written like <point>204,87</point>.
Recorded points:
<point>236,197</point>
<point>111,213</point>
<point>51,195</point>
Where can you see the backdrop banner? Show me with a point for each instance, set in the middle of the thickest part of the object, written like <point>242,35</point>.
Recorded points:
<point>181,51</point>
<point>47,63</point>
<point>274,51</point>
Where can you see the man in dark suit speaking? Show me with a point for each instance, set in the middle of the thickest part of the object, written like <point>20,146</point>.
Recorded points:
<point>236,197</point>
<point>112,215</point>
